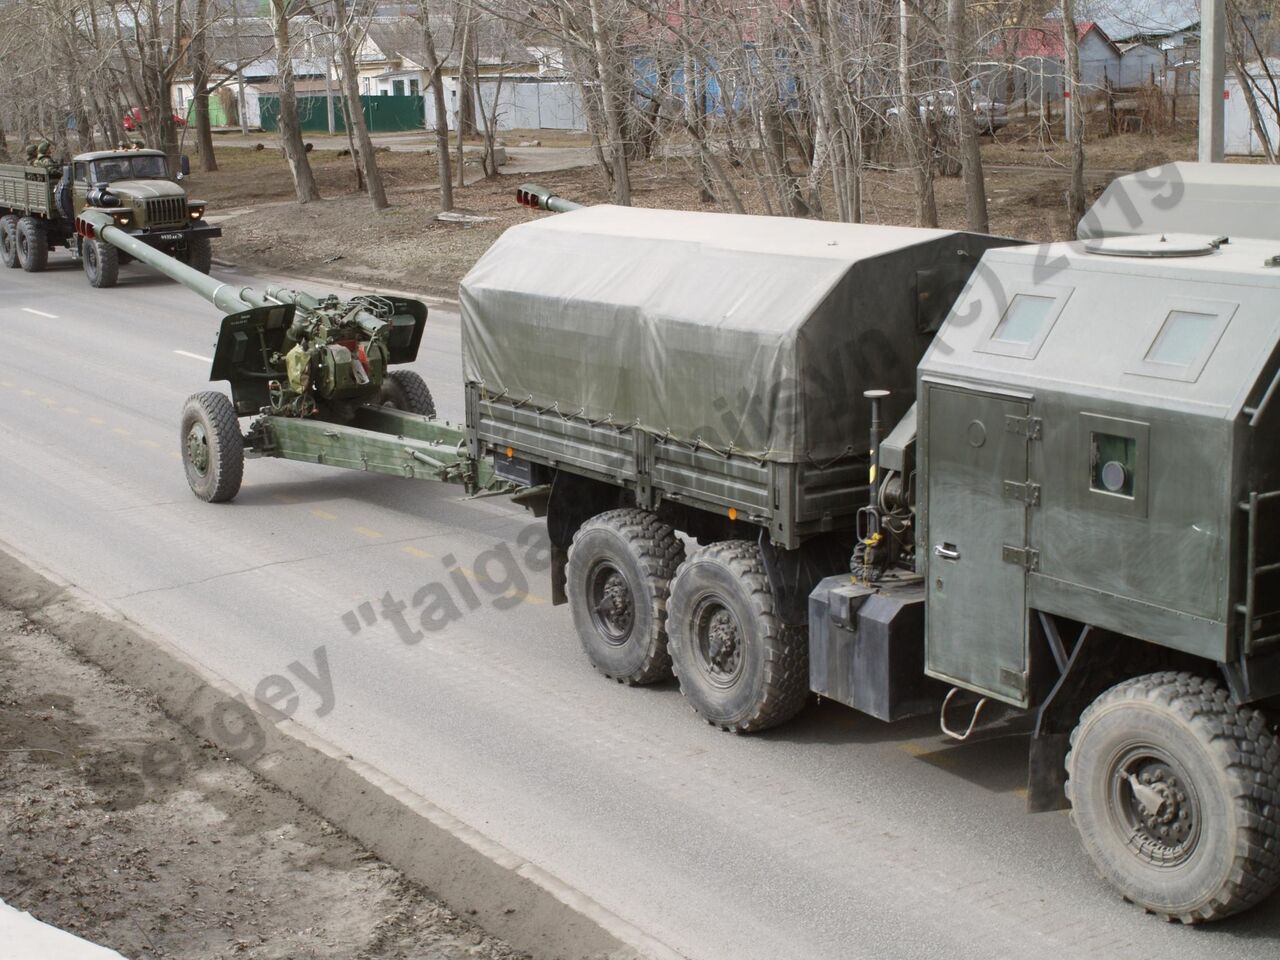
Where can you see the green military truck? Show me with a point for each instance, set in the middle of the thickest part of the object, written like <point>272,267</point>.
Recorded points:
<point>39,207</point>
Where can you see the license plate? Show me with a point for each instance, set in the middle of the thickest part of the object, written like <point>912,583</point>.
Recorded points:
<point>170,236</point>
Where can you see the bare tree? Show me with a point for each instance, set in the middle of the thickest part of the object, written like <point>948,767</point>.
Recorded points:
<point>1075,104</point>
<point>295,151</point>
<point>957,46</point>
<point>435,80</point>
<point>348,34</point>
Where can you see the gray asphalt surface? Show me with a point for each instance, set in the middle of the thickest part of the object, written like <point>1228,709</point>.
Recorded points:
<point>836,836</point>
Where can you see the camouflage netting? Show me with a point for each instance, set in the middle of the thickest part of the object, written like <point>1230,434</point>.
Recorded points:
<point>757,334</point>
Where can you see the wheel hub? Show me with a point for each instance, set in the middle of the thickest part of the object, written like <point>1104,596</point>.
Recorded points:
<point>719,643</point>
<point>198,449</point>
<point>613,606</point>
<point>1157,807</point>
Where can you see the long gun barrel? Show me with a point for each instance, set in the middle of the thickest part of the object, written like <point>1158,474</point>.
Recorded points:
<point>540,198</point>
<point>224,296</point>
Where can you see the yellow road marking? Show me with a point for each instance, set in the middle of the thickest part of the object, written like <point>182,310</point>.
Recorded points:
<point>120,430</point>
<point>97,421</point>
<point>150,443</point>
<point>324,515</point>
<point>283,498</point>
<point>366,532</point>
<point>49,401</point>
<point>28,393</point>
<point>74,411</point>
<point>6,383</point>
<point>415,552</point>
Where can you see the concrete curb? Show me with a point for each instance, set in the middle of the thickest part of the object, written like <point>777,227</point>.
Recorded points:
<point>510,897</point>
<point>350,285</point>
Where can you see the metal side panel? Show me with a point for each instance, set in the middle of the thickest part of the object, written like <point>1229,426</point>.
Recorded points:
<point>551,439</point>
<point>682,473</point>
<point>314,441</point>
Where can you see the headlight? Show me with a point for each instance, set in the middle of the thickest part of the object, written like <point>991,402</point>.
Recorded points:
<point>197,213</point>
<point>122,219</point>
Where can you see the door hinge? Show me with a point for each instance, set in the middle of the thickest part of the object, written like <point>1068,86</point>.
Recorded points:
<point>1028,493</point>
<point>1024,557</point>
<point>1029,427</point>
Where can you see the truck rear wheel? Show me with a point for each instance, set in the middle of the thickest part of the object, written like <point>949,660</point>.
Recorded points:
<point>33,245</point>
<point>199,255</point>
<point>212,447</point>
<point>405,390</point>
<point>101,263</point>
<point>9,241</point>
<point>619,574</point>
<point>1176,794</point>
<point>740,667</point>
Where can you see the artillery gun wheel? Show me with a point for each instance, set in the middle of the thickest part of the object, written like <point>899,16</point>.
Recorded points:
<point>33,245</point>
<point>212,447</point>
<point>405,390</point>
<point>739,666</point>
<point>101,263</point>
<point>1176,793</point>
<point>9,241</point>
<point>199,254</point>
<point>618,578</point>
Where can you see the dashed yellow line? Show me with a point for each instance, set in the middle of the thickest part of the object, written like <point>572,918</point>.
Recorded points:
<point>27,392</point>
<point>369,533</point>
<point>6,383</point>
<point>283,498</point>
<point>49,401</point>
<point>122,431</point>
<point>415,552</point>
<point>97,421</point>
<point>324,515</point>
<point>150,443</point>
<point>74,411</point>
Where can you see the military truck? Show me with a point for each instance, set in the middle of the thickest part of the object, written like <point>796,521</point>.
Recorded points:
<point>39,206</point>
<point>1073,518</point>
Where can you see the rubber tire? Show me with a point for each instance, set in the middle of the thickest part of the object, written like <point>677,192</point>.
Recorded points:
<point>405,390</point>
<point>226,446</point>
<point>774,683</point>
<point>9,241</point>
<point>1231,756</point>
<point>33,245</point>
<point>647,553</point>
<point>101,263</point>
<point>199,255</point>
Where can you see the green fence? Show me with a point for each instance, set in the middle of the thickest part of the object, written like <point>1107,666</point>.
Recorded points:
<point>388,114</point>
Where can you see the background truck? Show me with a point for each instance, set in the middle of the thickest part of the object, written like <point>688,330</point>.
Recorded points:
<point>39,206</point>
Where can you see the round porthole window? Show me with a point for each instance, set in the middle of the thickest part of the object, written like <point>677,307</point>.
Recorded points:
<point>1115,478</point>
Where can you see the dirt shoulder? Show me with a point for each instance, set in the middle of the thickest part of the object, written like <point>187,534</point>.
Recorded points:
<point>125,829</point>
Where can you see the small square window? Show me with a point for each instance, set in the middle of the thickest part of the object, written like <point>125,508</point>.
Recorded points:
<point>1182,337</point>
<point>1114,464</point>
<point>1024,319</point>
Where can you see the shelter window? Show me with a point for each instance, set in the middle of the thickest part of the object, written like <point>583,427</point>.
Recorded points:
<point>1026,322</point>
<point>1183,339</point>
<point>1024,319</point>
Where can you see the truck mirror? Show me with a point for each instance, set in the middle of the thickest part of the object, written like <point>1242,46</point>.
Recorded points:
<point>184,166</point>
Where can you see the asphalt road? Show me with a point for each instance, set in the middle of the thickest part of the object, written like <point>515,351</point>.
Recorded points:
<point>835,836</point>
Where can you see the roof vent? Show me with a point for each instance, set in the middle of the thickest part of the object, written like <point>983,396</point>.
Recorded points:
<point>1154,245</point>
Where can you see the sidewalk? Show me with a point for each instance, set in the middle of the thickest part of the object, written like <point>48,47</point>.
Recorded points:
<point>124,828</point>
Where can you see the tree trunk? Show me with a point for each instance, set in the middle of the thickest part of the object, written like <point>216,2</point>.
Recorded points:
<point>198,55</point>
<point>435,80</point>
<point>1075,105</point>
<point>295,152</point>
<point>355,109</point>
<point>910,125</point>
<point>975,188</point>
<point>613,106</point>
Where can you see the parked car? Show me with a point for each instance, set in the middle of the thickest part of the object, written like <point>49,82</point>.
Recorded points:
<point>989,115</point>
<point>134,119</point>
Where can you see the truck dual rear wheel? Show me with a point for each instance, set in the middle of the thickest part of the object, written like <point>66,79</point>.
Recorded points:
<point>740,667</point>
<point>1176,794</point>
<point>405,390</point>
<point>101,263</point>
<point>212,447</point>
<point>9,241</point>
<point>619,573</point>
<point>33,245</point>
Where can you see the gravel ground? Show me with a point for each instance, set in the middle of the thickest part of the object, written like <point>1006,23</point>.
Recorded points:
<point>123,828</point>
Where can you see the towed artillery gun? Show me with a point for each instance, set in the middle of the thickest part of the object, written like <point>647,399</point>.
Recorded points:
<point>39,206</point>
<point>314,374</point>
<point>1074,517</point>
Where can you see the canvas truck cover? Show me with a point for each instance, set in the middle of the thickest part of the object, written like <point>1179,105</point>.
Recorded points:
<point>751,335</point>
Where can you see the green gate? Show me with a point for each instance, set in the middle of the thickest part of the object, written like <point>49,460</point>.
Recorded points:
<point>382,114</point>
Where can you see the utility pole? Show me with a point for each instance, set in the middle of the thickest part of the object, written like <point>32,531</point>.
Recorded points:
<point>1213,57</point>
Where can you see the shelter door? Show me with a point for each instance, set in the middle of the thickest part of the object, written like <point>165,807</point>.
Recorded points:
<point>978,496</point>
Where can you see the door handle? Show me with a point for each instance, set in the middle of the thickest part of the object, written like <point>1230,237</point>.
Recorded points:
<point>947,551</point>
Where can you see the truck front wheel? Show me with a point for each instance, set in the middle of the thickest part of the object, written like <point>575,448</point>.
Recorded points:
<point>740,667</point>
<point>619,573</point>
<point>33,245</point>
<point>101,263</point>
<point>212,447</point>
<point>199,255</point>
<point>1176,793</point>
<point>9,241</point>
